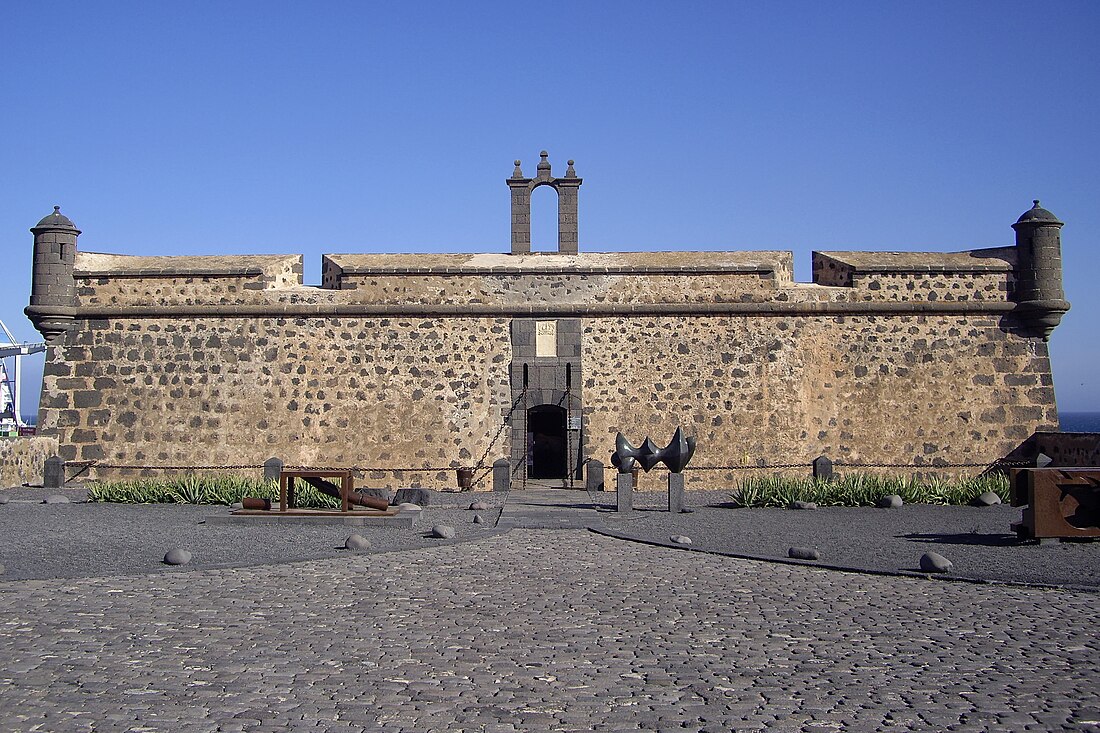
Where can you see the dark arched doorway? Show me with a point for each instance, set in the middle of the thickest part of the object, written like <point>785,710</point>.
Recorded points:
<point>546,443</point>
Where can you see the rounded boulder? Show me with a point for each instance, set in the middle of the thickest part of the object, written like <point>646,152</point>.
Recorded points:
<point>934,562</point>
<point>804,553</point>
<point>988,498</point>
<point>356,542</point>
<point>443,532</point>
<point>177,556</point>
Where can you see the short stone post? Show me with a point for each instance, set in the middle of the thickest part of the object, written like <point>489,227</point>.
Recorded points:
<point>624,492</point>
<point>502,475</point>
<point>53,473</point>
<point>272,468</point>
<point>823,469</point>
<point>593,475</point>
<point>675,492</point>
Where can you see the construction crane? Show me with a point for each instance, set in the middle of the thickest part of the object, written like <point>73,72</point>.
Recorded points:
<point>11,422</point>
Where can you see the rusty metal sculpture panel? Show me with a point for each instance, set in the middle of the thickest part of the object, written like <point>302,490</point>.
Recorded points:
<point>1059,502</point>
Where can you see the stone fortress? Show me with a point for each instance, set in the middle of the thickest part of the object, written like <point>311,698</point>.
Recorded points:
<point>412,365</point>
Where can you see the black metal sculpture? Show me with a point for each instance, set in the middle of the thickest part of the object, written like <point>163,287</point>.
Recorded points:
<point>675,455</point>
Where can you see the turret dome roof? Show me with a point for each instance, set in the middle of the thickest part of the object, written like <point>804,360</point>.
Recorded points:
<point>1037,213</point>
<point>56,219</point>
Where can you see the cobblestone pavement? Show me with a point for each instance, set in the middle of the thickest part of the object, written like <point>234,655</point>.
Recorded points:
<point>543,630</point>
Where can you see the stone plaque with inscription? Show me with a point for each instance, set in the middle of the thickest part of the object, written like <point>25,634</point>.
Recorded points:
<point>546,338</point>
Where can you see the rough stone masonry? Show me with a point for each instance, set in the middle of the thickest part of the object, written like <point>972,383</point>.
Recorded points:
<point>438,361</point>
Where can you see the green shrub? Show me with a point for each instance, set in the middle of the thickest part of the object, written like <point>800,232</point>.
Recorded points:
<point>865,490</point>
<point>196,489</point>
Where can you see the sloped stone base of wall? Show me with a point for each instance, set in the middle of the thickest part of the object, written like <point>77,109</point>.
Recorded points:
<point>22,460</point>
<point>1069,449</point>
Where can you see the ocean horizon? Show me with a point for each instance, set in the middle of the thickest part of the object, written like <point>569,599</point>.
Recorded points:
<point>1079,422</point>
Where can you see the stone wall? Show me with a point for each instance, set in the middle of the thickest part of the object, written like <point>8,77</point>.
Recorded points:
<point>408,393</point>
<point>22,459</point>
<point>621,277</point>
<point>905,389</point>
<point>981,275</point>
<point>103,279</point>
<point>1067,449</point>
<point>413,361</point>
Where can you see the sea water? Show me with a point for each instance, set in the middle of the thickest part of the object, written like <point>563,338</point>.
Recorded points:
<point>1079,422</point>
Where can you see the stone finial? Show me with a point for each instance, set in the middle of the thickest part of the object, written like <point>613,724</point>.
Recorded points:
<point>569,172</point>
<point>544,165</point>
<point>517,173</point>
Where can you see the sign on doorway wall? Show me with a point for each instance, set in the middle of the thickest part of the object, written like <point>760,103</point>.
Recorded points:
<point>546,338</point>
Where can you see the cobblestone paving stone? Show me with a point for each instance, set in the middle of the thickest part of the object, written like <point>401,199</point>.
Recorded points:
<point>543,630</point>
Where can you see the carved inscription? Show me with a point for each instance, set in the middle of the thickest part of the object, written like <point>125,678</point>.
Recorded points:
<point>546,338</point>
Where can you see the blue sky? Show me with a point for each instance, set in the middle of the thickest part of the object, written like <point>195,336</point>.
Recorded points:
<point>249,127</point>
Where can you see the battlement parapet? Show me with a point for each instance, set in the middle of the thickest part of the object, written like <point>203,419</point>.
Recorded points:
<point>585,284</point>
<point>589,278</point>
<point>109,279</point>
<point>975,275</point>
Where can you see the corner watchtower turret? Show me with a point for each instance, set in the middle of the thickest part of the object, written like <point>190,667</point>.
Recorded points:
<point>53,289</point>
<point>567,189</point>
<point>1040,300</point>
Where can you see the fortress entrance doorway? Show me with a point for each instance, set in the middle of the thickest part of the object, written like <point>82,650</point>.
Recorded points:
<point>546,442</point>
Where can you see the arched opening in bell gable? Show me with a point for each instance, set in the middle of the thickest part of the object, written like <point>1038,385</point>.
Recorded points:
<point>544,219</point>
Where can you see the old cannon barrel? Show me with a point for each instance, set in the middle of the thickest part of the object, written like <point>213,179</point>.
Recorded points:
<point>356,497</point>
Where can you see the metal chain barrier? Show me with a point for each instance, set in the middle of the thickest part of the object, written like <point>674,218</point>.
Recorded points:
<point>480,465</point>
<point>747,467</point>
<point>997,462</point>
<point>521,464</point>
<point>568,399</point>
<point>127,466</point>
<point>251,466</point>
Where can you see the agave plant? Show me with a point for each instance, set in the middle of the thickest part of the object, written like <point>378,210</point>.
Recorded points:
<point>864,490</point>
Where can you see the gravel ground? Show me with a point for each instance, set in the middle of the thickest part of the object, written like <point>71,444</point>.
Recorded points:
<point>88,539</point>
<point>977,540</point>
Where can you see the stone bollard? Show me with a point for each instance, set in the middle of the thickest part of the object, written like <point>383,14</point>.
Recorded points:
<point>53,473</point>
<point>593,475</point>
<point>272,468</point>
<point>675,492</point>
<point>624,492</point>
<point>823,469</point>
<point>502,475</point>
